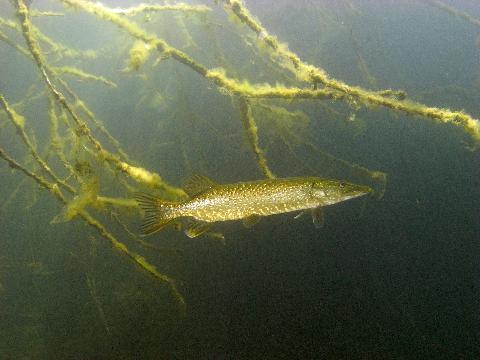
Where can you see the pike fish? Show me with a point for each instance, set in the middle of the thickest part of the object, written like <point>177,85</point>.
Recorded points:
<point>248,201</point>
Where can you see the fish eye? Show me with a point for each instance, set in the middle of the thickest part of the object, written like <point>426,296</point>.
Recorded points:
<point>342,184</point>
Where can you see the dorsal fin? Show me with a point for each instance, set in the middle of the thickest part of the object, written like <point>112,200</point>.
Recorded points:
<point>197,184</point>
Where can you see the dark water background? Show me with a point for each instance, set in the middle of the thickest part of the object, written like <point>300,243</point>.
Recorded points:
<point>396,278</point>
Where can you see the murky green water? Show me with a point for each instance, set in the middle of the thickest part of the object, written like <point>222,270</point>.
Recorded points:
<point>389,278</point>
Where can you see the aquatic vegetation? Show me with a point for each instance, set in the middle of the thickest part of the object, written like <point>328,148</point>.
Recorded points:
<point>461,14</point>
<point>252,133</point>
<point>139,54</point>
<point>316,75</point>
<point>91,173</point>
<point>148,8</point>
<point>82,75</point>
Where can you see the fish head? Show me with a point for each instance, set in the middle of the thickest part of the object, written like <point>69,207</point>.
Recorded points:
<point>329,192</point>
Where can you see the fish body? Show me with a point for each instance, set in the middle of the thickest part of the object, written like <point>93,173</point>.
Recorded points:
<point>211,202</point>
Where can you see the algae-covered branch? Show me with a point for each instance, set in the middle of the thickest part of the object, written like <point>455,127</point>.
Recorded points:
<point>137,98</point>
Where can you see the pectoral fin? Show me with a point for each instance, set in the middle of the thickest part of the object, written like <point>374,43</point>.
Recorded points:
<point>196,228</point>
<point>251,220</point>
<point>299,215</point>
<point>317,217</point>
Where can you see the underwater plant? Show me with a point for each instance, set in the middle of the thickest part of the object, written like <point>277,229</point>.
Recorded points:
<point>92,174</point>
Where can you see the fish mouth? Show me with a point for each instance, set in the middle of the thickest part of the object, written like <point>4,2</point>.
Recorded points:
<point>353,196</point>
<point>360,192</point>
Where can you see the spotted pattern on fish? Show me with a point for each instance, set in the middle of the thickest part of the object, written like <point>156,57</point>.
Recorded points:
<point>211,202</point>
<point>266,197</point>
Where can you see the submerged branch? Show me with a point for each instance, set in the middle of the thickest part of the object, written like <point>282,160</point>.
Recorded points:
<point>70,70</point>
<point>101,229</point>
<point>315,74</point>
<point>19,122</point>
<point>252,133</point>
<point>80,130</point>
<point>145,8</point>
<point>451,10</point>
<point>136,173</point>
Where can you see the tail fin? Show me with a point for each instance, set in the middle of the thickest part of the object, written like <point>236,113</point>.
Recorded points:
<point>158,213</point>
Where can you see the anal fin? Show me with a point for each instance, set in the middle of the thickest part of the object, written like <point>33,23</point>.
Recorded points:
<point>251,220</point>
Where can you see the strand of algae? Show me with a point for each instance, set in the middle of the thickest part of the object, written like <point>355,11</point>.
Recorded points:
<point>55,140</point>
<point>15,192</point>
<point>62,50</point>
<point>379,176</point>
<point>70,70</point>
<point>279,122</point>
<point>441,5</point>
<point>287,136</point>
<point>55,47</point>
<point>137,173</point>
<point>26,27</point>
<point>101,229</point>
<point>252,133</point>
<point>56,143</point>
<point>92,289</point>
<point>185,33</point>
<point>217,76</point>
<point>97,123</point>
<point>231,86</point>
<point>117,201</point>
<point>45,13</point>
<point>19,122</point>
<point>314,74</point>
<point>137,56</point>
<point>11,43</point>
<point>154,8</point>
